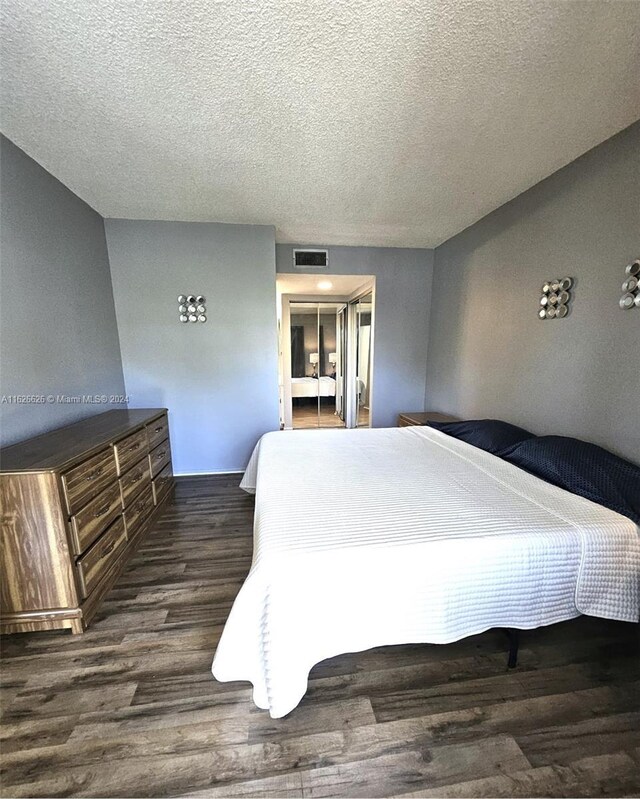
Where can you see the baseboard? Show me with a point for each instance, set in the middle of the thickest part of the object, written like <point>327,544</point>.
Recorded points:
<point>208,474</point>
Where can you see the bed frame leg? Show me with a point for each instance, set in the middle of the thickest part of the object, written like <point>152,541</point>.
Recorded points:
<point>514,637</point>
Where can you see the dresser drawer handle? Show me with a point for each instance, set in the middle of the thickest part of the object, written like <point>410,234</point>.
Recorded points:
<point>161,455</point>
<point>136,477</point>
<point>95,473</point>
<point>102,510</point>
<point>108,550</point>
<point>134,447</point>
<point>159,429</point>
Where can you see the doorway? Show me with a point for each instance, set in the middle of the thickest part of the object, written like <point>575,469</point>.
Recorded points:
<point>326,351</point>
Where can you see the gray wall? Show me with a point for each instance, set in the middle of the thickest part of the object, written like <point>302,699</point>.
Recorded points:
<point>218,379</point>
<point>58,331</point>
<point>489,354</point>
<point>403,291</point>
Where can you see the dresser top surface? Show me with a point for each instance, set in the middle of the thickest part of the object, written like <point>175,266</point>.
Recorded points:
<point>57,448</point>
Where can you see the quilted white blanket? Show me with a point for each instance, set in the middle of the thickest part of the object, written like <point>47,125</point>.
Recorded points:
<point>313,387</point>
<point>365,538</point>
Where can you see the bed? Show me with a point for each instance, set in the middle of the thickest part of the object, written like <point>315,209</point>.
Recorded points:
<point>313,387</point>
<point>429,540</point>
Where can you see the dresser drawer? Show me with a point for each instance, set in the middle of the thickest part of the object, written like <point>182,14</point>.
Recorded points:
<point>157,431</point>
<point>101,556</point>
<point>159,457</point>
<point>89,522</point>
<point>85,481</point>
<point>162,484</point>
<point>137,512</point>
<point>129,450</point>
<point>134,480</point>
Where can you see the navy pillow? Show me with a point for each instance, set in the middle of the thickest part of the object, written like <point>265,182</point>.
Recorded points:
<point>582,468</point>
<point>491,435</point>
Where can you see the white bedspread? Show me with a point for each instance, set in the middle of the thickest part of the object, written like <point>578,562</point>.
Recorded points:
<point>313,387</point>
<point>428,540</point>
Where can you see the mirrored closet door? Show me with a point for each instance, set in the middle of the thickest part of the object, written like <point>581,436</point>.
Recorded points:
<point>363,310</point>
<point>316,365</point>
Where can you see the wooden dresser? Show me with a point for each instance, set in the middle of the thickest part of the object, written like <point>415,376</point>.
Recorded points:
<point>75,504</point>
<point>422,417</point>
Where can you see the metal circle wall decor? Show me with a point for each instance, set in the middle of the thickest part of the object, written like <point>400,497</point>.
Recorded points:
<point>555,299</point>
<point>192,308</point>
<point>631,286</point>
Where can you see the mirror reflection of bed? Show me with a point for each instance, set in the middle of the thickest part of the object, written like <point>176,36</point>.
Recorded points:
<point>315,366</point>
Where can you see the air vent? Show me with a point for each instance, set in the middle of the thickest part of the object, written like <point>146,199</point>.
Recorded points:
<point>311,259</point>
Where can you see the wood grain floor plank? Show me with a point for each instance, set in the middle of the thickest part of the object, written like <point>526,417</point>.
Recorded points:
<point>282,786</point>
<point>17,648</point>
<point>50,702</point>
<point>517,717</point>
<point>605,775</point>
<point>230,726</point>
<point>229,705</point>
<point>116,669</point>
<point>414,768</point>
<point>343,715</point>
<point>134,619</point>
<point>160,743</point>
<point>565,743</point>
<point>39,733</point>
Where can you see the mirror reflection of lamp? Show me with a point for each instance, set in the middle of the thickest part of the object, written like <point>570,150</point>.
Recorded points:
<point>313,359</point>
<point>333,360</point>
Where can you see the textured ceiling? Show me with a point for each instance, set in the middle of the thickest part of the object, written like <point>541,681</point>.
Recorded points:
<point>380,122</point>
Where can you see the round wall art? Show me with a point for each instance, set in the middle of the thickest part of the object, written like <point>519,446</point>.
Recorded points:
<point>631,286</point>
<point>555,299</point>
<point>192,308</point>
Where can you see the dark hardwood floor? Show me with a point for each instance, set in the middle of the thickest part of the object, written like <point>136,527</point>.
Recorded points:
<point>131,709</point>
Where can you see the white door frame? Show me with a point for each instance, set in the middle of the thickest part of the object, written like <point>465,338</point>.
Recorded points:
<point>286,363</point>
<point>352,344</point>
<point>342,315</point>
<point>351,413</point>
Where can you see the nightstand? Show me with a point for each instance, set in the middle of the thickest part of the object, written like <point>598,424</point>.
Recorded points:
<point>422,417</point>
